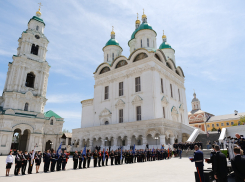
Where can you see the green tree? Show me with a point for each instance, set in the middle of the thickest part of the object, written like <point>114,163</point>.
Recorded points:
<point>214,129</point>
<point>66,131</point>
<point>242,119</point>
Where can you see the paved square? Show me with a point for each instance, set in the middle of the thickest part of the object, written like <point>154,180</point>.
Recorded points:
<point>166,170</point>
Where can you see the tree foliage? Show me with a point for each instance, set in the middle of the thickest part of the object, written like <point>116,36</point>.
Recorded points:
<point>66,131</point>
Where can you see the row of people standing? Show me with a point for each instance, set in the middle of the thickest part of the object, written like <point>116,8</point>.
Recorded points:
<point>117,157</point>
<point>187,145</point>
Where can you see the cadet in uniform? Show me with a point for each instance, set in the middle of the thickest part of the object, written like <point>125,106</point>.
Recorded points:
<point>112,157</point>
<point>88,158</point>
<point>25,157</point>
<point>17,163</point>
<point>58,166</point>
<point>95,156</point>
<point>75,160</point>
<point>84,161</point>
<point>106,157</point>
<point>80,157</point>
<point>38,158</point>
<point>47,161</point>
<point>198,159</point>
<point>30,163</point>
<point>100,156</point>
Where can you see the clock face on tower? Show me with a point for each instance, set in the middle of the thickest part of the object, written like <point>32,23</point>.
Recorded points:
<point>37,37</point>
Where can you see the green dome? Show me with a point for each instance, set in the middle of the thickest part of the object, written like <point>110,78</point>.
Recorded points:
<point>141,27</point>
<point>165,45</point>
<point>112,42</point>
<point>37,19</point>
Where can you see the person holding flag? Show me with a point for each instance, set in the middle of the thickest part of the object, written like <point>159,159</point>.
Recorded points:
<point>58,153</point>
<point>84,158</point>
<point>31,161</point>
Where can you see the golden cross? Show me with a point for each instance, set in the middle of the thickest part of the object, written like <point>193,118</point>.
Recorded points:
<point>194,90</point>
<point>112,28</point>
<point>137,16</point>
<point>40,4</point>
<point>143,11</point>
<point>163,32</point>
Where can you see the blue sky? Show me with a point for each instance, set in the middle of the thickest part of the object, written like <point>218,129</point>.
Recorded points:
<point>208,38</point>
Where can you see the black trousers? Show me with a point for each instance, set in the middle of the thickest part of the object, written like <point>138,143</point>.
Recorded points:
<point>99,161</point>
<point>106,161</point>
<point>116,160</point>
<point>75,162</point>
<point>17,167</point>
<point>95,162</point>
<point>88,162</point>
<point>103,164</point>
<point>58,165</point>
<point>221,179</point>
<point>84,163</point>
<point>30,167</point>
<point>53,162</point>
<point>80,164</point>
<point>112,159</point>
<point>23,167</point>
<point>46,166</point>
<point>63,164</point>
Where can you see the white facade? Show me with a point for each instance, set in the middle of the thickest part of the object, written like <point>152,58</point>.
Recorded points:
<point>111,117</point>
<point>24,95</point>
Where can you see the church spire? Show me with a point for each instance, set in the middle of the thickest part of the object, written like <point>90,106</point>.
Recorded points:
<point>195,102</point>
<point>137,22</point>
<point>144,17</point>
<point>112,33</point>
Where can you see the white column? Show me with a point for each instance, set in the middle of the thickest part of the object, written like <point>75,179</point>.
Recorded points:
<point>128,141</point>
<point>171,140</point>
<point>162,140</point>
<point>144,140</point>
<point>102,143</point>
<point>41,83</point>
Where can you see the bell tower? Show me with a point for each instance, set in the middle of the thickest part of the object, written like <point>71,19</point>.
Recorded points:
<point>195,103</point>
<point>27,77</point>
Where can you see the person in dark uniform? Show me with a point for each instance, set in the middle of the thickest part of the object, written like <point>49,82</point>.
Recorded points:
<point>58,165</point>
<point>38,158</point>
<point>54,158</point>
<point>47,161</point>
<point>75,160</point>
<point>106,157</point>
<point>112,157</point>
<point>30,162</point>
<point>95,157</point>
<point>211,160</point>
<point>44,156</point>
<point>64,159</point>
<point>238,165</point>
<point>80,158</point>
<point>88,154</point>
<point>100,157</point>
<point>116,157</point>
<point>220,166</point>
<point>17,163</point>
<point>25,159</point>
<point>84,160</point>
<point>198,159</point>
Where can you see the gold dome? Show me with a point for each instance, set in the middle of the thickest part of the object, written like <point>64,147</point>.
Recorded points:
<point>144,16</point>
<point>164,36</point>
<point>39,12</point>
<point>137,21</point>
<point>112,32</point>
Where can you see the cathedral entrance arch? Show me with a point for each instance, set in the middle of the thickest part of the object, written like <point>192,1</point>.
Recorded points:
<point>20,140</point>
<point>48,145</point>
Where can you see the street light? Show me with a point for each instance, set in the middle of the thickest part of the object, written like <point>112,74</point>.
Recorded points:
<point>156,138</point>
<point>236,112</point>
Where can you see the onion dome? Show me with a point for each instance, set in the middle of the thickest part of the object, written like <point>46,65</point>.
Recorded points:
<point>112,41</point>
<point>164,44</point>
<point>144,16</point>
<point>38,15</point>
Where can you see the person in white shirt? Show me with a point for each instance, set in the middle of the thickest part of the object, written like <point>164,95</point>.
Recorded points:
<point>9,162</point>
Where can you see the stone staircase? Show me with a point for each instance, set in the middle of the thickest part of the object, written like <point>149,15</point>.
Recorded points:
<point>206,153</point>
<point>213,136</point>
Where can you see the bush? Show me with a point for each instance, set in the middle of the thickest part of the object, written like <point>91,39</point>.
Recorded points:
<point>224,152</point>
<point>214,129</point>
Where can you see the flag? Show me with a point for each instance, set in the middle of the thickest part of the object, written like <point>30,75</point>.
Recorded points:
<point>103,154</point>
<point>121,154</point>
<point>33,154</point>
<point>134,149</point>
<point>84,152</point>
<point>59,151</point>
<point>153,149</point>
<point>162,147</point>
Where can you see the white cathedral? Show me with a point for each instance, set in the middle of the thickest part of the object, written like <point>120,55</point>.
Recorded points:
<point>138,100</point>
<point>23,123</point>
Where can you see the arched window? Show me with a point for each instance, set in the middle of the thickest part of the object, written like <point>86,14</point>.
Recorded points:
<point>34,49</point>
<point>51,122</point>
<point>30,79</point>
<point>107,122</point>
<point>26,107</point>
<point>37,28</point>
<point>121,63</point>
<point>112,56</point>
<point>140,56</point>
<point>141,43</point>
<point>148,43</point>
<point>105,69</point>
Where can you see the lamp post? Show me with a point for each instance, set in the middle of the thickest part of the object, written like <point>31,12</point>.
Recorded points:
<point>236,112</point>
<point>156,138</point>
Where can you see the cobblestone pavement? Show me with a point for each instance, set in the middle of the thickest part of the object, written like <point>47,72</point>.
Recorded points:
<point>166,170</point>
